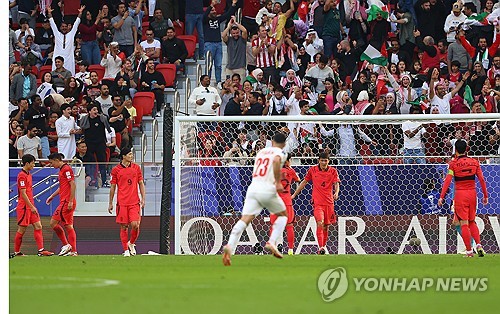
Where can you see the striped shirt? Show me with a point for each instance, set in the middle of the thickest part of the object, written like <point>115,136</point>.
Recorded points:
<point>264,59</point>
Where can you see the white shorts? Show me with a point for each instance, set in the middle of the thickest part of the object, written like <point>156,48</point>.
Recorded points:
<point>256,201</point>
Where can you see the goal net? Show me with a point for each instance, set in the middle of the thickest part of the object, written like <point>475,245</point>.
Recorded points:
<point>391,169</point>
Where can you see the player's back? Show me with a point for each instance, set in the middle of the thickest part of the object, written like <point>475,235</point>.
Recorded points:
<point>263,172</point>
<point>464,172</point>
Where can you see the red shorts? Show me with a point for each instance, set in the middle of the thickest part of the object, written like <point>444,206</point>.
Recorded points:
<point>290,214</point>
<point>127,213</point>
<point>325,213</point>
<point>25,217</point>
<point>63,215</point>
<point>465,205</point>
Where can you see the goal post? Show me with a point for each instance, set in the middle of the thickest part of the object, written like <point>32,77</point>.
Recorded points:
<point>391,169</point>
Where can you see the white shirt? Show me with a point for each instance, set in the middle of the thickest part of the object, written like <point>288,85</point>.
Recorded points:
<point>112,65</point>
<point>442,104</point>
<point>414,142</point>
<point>109,135</point>
<point>30,31</point>
<point>66,142</point>
<point>64,45</point>
<point>29,145</point>
<point>453,21</point>
<point>211,96</point>
<point>150,46</point>
<point>263,172</point>
<point>105,103</point>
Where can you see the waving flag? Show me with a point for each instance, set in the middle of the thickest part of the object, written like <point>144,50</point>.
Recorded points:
<point>372,55</point>
<point>43,5</point>
<point>375,9</point>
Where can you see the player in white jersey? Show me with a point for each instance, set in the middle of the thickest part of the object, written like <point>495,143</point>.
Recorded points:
<point>262,193</point>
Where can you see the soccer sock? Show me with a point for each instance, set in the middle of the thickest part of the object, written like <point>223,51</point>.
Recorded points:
<point>38,238</point>
<point>124,238</point>
<point>234,238</point>
<point>290,236</point>
<point>60,234</point>
<point>474,231</point>
<point>466,237</point>
<point>272,219</point>
<point>72,238</point>
<point>134,234</point>
<point>319,235</point>
<point>278,227</point>
<point>17,242</point>
<point>325,235</point>
<point>459,229</point>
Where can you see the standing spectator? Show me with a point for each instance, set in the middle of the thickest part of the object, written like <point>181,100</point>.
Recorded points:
<point>23,85</point>
<point>18,114</point>
<point>129,77</point>
<point>482,53</point>
<point>38,115</point>
<point>405,24</point>
<point>320,72</point>
<point>119,117</point>
<point>127,177</point>
<point>457,52</point>
<point>159,25</point>
<point>52,132</point>
<point>414,133</point>
<point>94,126</point>
<point>111,61</point>
<point>29,143</point>
<point>88,30</point>
<point>332,28</point>
<point>44,35</point>
<point>154,81</point>
<point>174,50</point>
<point>439,96</point>
<point>24,31</point>
<point>47,86</point>
<point>16,132</point>
<point>212,36</point>
<point>125,30</point>
<point>104,99</point>
<point>137,10</point>
<point>263,48</point>
<point>206,99</point>
<point>235,36</point>
<point>455,18</point>
<point>151,46</point>
<point>64,41</point>
<point>87,160</point>
<point>430,57</point>
<point>313,44</point>
<point>106,36</point>
<point>72,89</point>
<point>31,53</point>
<point>66,129</point>
<point>60,74</point>
<point>194,19</point>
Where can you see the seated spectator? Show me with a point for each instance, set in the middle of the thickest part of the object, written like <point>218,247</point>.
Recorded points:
<point>151,47</point>
<point>83,74</point>
<point>129,75</point>
<point>22,107</point>
<point>23,32</point>
<point>31,53</point>
<point>208,155</point>
<point>235,156</point>
<point>44,36</point>
<point>106,36</point>
<point>111,143</point>
<point>174,50</point>
<point>59,74</point>
<point>72,89</point>
<point>131,109</point>
<point>121,87</point>
<point>153,81</point>
<point>16,131</point>
<point>23,85</point>
<point>29,143</point>
<point>256,78</point>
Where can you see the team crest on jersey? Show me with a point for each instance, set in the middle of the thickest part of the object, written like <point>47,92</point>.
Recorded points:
<point>68,175</point>
<point>22,183</point>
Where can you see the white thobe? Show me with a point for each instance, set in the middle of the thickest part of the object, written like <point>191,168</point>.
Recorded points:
<point>65,45</point>
<point>66,142</point>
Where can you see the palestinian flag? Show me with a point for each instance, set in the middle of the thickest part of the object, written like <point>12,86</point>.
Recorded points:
<point>374,10</point>
<point>372,55</point>
<point>478,19</point>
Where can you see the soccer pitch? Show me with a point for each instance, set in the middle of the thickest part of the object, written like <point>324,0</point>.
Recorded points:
<point>253,284</point>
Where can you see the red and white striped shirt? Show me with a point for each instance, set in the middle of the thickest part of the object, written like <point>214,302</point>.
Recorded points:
<point>264,59</point>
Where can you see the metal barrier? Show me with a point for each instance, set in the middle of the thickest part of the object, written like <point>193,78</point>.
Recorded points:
<point>155,136</point>
<point>187,95</point>
<point>238,16</point>
<point>144,149</point>
<point>198,72</point>
<point>177,102</point>
<point>208,62</point>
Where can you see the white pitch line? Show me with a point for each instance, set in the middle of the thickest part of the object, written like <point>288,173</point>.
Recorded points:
<point>79,283</point>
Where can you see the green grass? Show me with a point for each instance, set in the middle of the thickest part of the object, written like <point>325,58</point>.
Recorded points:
<point>253,284</point>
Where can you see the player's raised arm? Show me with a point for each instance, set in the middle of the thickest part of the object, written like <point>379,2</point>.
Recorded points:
<point>277,173</point>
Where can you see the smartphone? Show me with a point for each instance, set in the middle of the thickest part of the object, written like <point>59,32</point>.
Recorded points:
<point>228,77</point>
<point>127,97</point>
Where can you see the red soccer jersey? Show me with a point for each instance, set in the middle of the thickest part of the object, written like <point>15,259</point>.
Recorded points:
<point>127,180</point>
<point>288,176</point>
<point>323,182</point>
<point>464,170</point>
<point>24,182</point>
<point>65,177</point>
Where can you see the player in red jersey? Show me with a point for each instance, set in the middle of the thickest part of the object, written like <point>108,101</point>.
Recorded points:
<point>26,211</point>
<point>464,170</point>
<point>288,177</point>
<point>67,205</point>
<point>127,177</point>
<point>324,178</point>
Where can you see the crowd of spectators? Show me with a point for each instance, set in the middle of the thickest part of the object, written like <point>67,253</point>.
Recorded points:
<point>285,57</point>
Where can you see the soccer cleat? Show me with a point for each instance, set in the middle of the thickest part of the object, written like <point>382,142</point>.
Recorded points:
<point>469,254</point>
<point>280,247</point>
<point>15,254</point>
<point>131,248</point>
<point>321,251</point>
<point>480,250</point>
<point>45,253</point>
<point>65,249</point>
<point>126,253</point>
<point>273,249</point>
<point>290,251</point>
<point>72,254</point>
<point>226,255</point>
